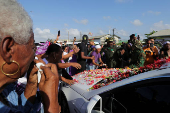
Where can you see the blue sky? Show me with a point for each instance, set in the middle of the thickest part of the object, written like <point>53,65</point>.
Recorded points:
<point>97,17</point>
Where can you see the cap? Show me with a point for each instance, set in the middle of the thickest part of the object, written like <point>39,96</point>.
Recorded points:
<point>167,42</point>
<point>91,40</point>
<point>98,46</point>
<point>110,40</point>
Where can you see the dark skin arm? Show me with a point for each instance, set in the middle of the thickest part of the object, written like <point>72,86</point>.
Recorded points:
<point>93,61</point>
<point>55,41</point>
<point>85,57</point>
<point>75,50</point>
<point>68,55</point>
<point>31,87</point>
<point>65,65</point>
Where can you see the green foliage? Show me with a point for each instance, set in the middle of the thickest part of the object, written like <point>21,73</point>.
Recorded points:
<point>147,35</point>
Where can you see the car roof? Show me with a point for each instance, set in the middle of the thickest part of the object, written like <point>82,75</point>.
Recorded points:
<point>147,75</point>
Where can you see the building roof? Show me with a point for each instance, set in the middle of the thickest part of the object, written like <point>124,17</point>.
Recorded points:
<point>107,35</point>
<point>161,33</point>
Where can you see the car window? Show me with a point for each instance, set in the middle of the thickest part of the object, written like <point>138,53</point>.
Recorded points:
<point>151,97</point>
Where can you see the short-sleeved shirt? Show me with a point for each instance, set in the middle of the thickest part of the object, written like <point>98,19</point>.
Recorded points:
<point>149,55</point>
<point>18,104</point>
<point>82,48</point>
<point>96,55</point>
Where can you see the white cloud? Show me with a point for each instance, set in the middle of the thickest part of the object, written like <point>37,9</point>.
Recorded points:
<point>43,35</point>
<point>122,33</point>
<point>154,13</point>
<point>66,25</point>
<point>159,26</point>
<point>84,21</point>
<point>101,32</point>
<point>106,17</point>
<point>123,1</point>
<point>137,22</point>
<point>73,32</point>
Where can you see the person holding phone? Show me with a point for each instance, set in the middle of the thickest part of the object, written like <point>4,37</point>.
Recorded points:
<point>151,52</point>
<point>56,40</point>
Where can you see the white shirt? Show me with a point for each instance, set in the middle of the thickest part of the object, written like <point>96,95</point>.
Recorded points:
<point>65,53</point>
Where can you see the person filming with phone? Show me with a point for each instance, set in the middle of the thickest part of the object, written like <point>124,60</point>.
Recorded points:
<point>151,52</point>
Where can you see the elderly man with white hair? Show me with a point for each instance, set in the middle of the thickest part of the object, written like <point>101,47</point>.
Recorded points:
<point>97,62</point>
<point>17,52</point>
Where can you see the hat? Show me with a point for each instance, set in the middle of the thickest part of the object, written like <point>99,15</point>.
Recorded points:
<point>91,40</point>
<point>110,40</point>
<point>98,46</point>
<point>167,42</point>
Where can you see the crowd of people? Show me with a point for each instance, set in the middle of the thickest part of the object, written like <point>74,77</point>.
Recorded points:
<point>133,54</point>
<point>60,62</point>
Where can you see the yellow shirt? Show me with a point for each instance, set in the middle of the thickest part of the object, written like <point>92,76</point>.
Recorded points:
<point>149,54</point>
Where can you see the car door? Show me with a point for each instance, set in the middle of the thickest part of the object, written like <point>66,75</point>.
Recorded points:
<point>145,96</point>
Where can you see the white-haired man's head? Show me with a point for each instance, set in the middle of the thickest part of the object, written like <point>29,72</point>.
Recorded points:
<point>14,21</point>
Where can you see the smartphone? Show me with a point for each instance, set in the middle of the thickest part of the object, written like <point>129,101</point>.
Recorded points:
<point>151,44</point>
<point>59,33</point>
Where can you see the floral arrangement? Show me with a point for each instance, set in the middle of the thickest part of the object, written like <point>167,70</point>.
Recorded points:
<point>109,76</point>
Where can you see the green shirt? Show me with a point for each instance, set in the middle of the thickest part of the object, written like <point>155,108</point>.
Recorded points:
<point>137,58</point>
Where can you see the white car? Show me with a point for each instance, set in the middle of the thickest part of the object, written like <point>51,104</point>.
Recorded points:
<point>148,92</point>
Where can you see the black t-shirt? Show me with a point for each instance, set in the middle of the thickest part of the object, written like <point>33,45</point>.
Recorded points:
<point>82,48</point>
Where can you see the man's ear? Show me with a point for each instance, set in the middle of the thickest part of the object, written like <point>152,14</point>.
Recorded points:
<point>6,48</point>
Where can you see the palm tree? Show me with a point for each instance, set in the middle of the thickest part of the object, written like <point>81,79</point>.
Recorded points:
<point>147,35</point>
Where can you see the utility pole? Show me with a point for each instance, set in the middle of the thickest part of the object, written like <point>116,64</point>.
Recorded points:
<point>113,32</point>
<point>68,36</point>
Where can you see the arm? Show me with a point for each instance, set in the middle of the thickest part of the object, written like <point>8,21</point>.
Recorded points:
<point>68,55</point>
<point>49,88</point>
<point>55,41</point>
<point>93,61</point>
<point>85,57</point>
<point>101,61</point>
<point>70,82</point>
<point>75,50</point>
<point>63,65</point>
<point>31,87</point>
